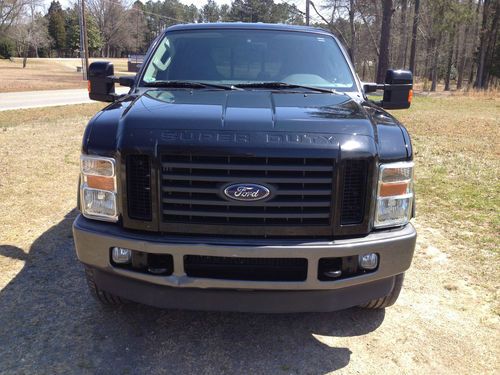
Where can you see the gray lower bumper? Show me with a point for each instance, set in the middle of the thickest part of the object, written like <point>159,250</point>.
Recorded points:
<point>94,239</point>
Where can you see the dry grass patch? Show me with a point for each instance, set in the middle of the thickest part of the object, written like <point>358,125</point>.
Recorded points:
<point>39,150</point>
<point>47,74</point>
<point>457,153</point>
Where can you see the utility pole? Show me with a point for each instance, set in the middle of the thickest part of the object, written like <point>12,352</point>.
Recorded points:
<point>308,5</point>
<point>85,43</point>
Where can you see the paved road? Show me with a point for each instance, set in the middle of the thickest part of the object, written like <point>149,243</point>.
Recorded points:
<point>48,98</point>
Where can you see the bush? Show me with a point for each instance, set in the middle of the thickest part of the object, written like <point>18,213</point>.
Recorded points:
<point>6,48</point>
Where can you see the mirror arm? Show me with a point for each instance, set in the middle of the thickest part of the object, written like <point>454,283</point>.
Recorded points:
<point>372,87</point>
<point>126,81</point>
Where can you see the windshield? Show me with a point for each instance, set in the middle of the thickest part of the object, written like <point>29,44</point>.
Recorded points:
<point>233,57</point>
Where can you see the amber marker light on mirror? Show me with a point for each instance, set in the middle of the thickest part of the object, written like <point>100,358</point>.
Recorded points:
<point>410,96</point>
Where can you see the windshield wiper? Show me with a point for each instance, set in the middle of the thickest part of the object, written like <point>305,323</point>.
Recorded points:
<point>283,85</point>
<point>188,85</point>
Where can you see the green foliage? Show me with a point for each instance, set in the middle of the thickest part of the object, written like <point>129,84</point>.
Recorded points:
<point>57,30</point>
<point>6,48</point>
<point>72,25</point>
<point>264,11</point>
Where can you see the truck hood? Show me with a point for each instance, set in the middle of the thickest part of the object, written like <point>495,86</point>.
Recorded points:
<point>258,119</point>
<point>248,111</point>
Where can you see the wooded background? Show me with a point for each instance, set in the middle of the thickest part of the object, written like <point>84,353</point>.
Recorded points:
<point>450,42</point>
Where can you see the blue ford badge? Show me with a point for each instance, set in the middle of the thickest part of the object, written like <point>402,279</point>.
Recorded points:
<point>246,192</point>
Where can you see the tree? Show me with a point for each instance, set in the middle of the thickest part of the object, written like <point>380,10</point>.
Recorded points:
<point>488,42</point>
<point>138,22</point>
<point>385,39</point>
<point>56,27</point>
<point>413,49</point>
<point>30,32</point>
<point>210,12</point>
<point>464,50</point>
<point>72,24</point>
<point>10,12</point>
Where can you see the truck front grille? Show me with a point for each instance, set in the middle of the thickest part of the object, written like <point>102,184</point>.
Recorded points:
<point>192,185</point>
<point>139,187</point>
<point>354,191</point>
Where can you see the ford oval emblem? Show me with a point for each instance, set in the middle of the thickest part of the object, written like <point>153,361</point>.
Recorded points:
<point>246,192</point>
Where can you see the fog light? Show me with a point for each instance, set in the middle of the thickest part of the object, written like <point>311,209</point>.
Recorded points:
<point>121,255</point>
<point>368,261</point>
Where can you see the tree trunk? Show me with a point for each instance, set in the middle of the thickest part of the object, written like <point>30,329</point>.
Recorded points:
<point>401,52</point>
<point>428,56</point>
<point>435,62</point>
<point>463,59</point>
<point>490,51</point>
<point>25,56</point>
<point>352,47</point>
<point>385,38</point>
<point>414,37</point>
<point>483,42</point>
<point>449,61</point>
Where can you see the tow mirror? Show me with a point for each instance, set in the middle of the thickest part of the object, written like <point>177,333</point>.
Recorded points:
<point>398,89</point>
<point>102,81</point>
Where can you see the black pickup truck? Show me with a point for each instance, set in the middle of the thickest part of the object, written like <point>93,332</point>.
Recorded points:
<point>246,170</point>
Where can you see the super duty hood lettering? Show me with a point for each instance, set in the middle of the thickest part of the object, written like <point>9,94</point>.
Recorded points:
<point>192,136</point>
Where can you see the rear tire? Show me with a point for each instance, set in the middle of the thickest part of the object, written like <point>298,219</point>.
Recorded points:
<point>100,295</point>
<point>388,300</point>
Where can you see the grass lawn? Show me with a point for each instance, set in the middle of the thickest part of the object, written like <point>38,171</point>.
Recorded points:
<point>457,155</point>
<point>47,74</point>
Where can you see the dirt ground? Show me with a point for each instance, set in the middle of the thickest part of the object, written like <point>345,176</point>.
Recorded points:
<point>46,74</point>
<point>446,320</point>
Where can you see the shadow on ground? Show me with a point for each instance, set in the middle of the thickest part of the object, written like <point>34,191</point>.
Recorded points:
<point>50,324</point>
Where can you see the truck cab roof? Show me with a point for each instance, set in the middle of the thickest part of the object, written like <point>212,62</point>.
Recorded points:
<point>246,26</point>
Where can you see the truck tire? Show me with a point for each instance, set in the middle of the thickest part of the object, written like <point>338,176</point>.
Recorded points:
<point>388,300</point>
<point>100,295</point>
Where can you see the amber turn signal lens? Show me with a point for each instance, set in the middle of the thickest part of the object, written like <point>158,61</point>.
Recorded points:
<point>101,183</point>
<point>88,86</point>
<point>391,189</point>
<point>410,96</point>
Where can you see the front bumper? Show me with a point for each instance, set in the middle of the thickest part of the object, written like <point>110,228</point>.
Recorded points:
<point>93,241</point>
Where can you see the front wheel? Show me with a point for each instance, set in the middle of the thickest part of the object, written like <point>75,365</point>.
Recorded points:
<point>100,295</point>
<point>388,300</point>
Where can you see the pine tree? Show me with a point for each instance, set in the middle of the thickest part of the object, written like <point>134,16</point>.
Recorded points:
<point>57,30</point>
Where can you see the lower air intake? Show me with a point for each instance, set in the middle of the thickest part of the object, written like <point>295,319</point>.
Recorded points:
<point>251,269</point>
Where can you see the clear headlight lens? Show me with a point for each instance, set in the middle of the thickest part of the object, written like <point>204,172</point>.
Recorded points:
<point>98,188</point>
<point>96,166</point>
<point>394,195</point>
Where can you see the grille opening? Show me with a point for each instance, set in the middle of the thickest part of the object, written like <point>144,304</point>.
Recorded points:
<point>192,191</point>
<point>354,191</point>
<point>249,269</point>
<point>139,187</point>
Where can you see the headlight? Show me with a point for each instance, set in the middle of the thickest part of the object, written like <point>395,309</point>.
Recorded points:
<point>394,195</point>
<point>98,188</point>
